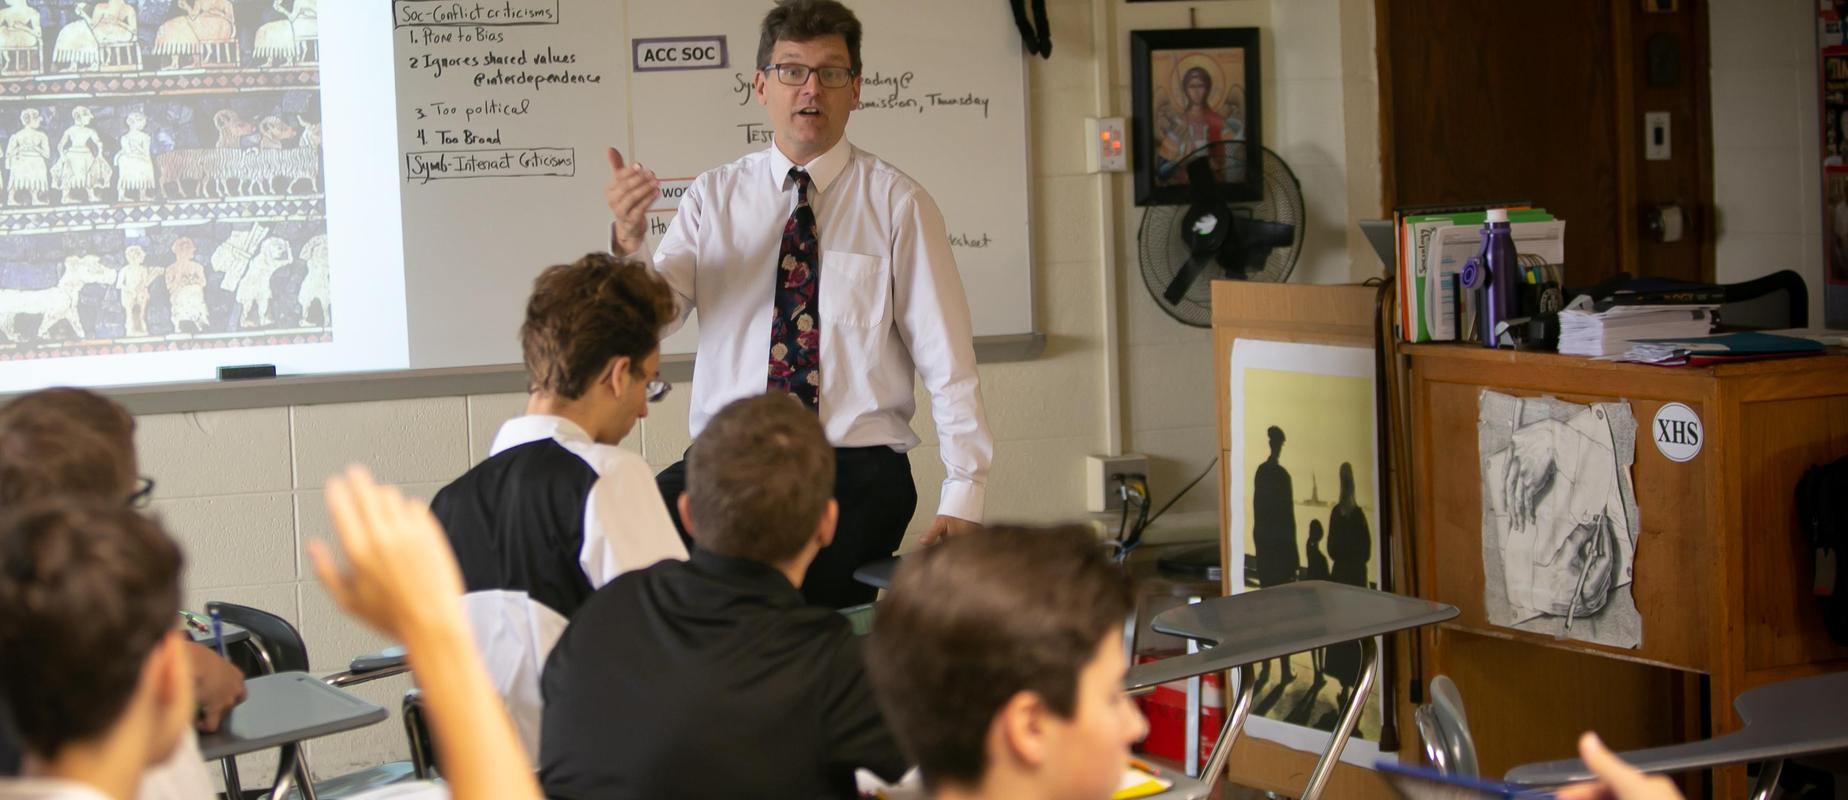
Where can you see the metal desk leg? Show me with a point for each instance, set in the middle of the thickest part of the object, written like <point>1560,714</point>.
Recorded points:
<point>234,789</point>
<point>1228,733</point>
<point>292,775</point>
<point>1325,766</point>
<point>1765,787</point>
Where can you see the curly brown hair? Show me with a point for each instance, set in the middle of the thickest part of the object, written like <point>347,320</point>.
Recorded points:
<point>587,312</point>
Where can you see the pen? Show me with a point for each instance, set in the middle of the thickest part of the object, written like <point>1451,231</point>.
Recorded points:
<point>218,634</point>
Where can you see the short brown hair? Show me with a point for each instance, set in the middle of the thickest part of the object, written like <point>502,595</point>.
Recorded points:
<point>87,589</point>
<point>974,621</point>
<point>759,478</point>
<point>65,441</point>
<point>808,20</point>
<point>585,313</point>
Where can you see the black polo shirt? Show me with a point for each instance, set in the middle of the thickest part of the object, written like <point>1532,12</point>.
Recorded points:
<point>708,678</point>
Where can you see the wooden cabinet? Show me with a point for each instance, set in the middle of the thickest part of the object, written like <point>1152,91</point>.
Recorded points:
<point>1721,574</point>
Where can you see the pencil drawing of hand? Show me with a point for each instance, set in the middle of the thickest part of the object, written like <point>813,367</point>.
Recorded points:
<point>1531,454</point>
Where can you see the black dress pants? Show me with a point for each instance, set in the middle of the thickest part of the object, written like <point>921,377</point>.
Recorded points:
<point>877,497</point>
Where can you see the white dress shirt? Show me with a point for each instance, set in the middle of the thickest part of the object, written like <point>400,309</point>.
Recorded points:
<point>891,304</point>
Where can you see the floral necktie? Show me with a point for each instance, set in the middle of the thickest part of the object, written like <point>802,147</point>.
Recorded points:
<point>795,323</point>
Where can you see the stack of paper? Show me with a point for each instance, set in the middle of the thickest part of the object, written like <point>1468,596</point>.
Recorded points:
<point>1608,333</point>
<point>1724,348</point>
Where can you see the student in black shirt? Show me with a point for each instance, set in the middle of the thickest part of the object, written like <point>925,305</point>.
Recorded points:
<point>712,677</point>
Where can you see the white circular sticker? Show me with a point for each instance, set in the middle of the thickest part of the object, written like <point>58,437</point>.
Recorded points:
<point>1677,432</point>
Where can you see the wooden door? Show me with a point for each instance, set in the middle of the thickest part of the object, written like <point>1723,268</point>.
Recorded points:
<point>1546,101</point>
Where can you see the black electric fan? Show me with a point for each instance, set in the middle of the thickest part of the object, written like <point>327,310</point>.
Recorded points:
<point>1185,248</point>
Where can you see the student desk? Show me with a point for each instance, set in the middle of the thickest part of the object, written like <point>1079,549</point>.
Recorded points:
<point>283,710</point>
<point>1257,626</point>
<point>1722,574</point>
<point>1784,720</point>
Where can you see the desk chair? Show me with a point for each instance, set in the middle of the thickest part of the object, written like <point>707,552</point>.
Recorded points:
<point>1444,730</point>
<point>1783,721</point>
<point>276,646</point>
<point>1778,300</point>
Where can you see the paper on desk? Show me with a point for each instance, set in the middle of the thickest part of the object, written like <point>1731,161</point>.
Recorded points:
<point>1559,517</point>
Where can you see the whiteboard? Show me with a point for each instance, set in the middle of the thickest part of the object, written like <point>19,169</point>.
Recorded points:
<point>932,104</point>
<point>460,150</point>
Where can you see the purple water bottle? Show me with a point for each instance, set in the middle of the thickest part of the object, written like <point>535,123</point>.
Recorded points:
<point>1494,276</point>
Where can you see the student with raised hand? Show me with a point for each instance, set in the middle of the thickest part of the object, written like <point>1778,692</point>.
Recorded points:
<point>999,662</point>
<point>66,442</point>
<point>96,670</point>
<point>712,677</point>
<point>557,509</point>
<point>401,579</point>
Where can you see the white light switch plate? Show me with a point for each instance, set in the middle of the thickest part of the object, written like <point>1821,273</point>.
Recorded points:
<point>1655,136</point>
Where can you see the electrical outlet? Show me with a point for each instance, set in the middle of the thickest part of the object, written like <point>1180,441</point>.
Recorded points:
<point>1101,479</point>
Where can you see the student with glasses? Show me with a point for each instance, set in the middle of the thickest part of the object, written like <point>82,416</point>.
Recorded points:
<point>825,273</point>
<point>558,509</point>
<point>76,444</point>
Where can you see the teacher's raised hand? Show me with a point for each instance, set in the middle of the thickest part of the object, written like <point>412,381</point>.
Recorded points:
<point>631,190</point>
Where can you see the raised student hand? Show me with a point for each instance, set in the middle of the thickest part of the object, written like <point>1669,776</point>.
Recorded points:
<point>630,192</point>
<point>401,576</point>
<point>1616,780</point>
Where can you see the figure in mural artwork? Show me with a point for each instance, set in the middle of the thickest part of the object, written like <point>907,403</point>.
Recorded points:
<point>135,161</point>
<point>289,40</point>
<point>27,155</point>
<point>1273,519</point>
<point>205,34</point>
<point>186,288</point>
<point>132,286</point>
<point>1350,546</point>
<point>56,304</point>
<point>103,35</point>
<point>81,165</point>
<point>21,39</point>
<point>253,288</point>
<point>316,287</point>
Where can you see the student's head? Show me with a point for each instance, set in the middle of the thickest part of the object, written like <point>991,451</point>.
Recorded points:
<point>89,595</point>
<point>66,441</point>
<point>998,658</point>
<point>1315,532</point>
<point>760,482</point>
<point>809,116</point>
<point>1347,483</point>
<point>1276,440</point>
<point>592,337</point>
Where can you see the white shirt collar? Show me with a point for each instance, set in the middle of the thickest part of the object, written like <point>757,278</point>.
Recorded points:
<point>822,170</point>
<point>47,789</point>
<point>533,427</point>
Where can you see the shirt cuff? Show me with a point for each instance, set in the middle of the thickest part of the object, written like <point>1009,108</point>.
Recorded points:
<point>962,500</point>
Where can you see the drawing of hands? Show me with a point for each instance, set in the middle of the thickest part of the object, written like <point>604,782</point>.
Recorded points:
<point>1530,471</point>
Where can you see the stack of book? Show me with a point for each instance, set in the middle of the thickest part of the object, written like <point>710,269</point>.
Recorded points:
<point>1435,241</point>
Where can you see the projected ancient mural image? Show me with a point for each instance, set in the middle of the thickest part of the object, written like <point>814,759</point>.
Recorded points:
<point>160,176</point>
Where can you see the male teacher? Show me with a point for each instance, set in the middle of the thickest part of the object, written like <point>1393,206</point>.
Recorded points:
<point>822,272</point>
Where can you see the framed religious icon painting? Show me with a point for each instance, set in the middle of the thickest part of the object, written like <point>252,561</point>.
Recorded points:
<point>1196,114</point>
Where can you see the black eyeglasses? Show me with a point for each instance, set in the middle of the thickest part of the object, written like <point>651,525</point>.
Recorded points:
<point>798,74</point>
<point>658,389</point>
<point>144,492</point>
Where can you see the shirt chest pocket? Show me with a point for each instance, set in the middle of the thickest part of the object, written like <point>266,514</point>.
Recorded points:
<point>856,289</point>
